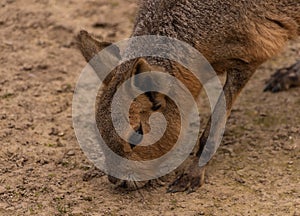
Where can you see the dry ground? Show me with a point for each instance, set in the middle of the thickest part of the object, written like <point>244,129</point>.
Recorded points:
<point>42,169</point>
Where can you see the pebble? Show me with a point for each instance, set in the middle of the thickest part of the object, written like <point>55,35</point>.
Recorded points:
<point>70,153</point>
<point>100,25</point>
<point>240,180</point>
<point>42,67</point>
<point>27,67</point>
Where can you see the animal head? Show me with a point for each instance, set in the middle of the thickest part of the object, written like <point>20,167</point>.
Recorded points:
<point>142,108</point>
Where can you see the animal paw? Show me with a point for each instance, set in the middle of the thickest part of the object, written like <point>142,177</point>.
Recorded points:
<point>190,180</point>
<point>284,79</point>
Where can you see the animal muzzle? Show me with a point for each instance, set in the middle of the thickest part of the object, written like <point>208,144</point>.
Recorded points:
<point>128,185</point>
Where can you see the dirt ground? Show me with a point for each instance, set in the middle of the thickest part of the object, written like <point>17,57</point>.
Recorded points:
<point>42,168</point>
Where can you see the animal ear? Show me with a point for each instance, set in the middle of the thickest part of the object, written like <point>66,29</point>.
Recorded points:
<point>141,65</point>
<point>90,46</point>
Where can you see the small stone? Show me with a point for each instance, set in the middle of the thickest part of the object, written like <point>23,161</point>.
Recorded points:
<point>27,67</point>
<point>42,67</point>
<point>36,94</point>
<point>294,130</point>
<point>88,198</point>
<point>100,25</point>
<point>240,180</point>
<point>61,134</point>
<point>10,125</point>
<point>3,116</point>
<point>70,153</point>
<point>112,34</point>
<point>9,43</point>
<point>10,1</point>
<point>42,161</point>
<point>54,132</point>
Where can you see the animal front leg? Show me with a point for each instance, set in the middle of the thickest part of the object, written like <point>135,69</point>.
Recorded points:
<point>190,179</point>
<point>284,79</point>
<point>193,175</point>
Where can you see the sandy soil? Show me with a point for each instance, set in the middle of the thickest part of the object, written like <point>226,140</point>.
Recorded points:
<point>44,172</point>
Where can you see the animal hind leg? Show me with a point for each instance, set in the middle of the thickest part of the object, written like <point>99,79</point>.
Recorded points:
<point>284,79</point>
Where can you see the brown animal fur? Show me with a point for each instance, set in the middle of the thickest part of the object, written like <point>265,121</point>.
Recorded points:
<point>236,36</point>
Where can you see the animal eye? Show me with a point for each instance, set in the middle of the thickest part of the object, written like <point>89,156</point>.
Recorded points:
<point>156,106</point>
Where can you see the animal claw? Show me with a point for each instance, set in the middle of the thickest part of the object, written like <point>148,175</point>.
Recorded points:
<point>191,179</point>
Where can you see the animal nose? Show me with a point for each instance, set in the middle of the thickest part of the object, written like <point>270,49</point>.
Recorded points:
<point>137,137</point>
